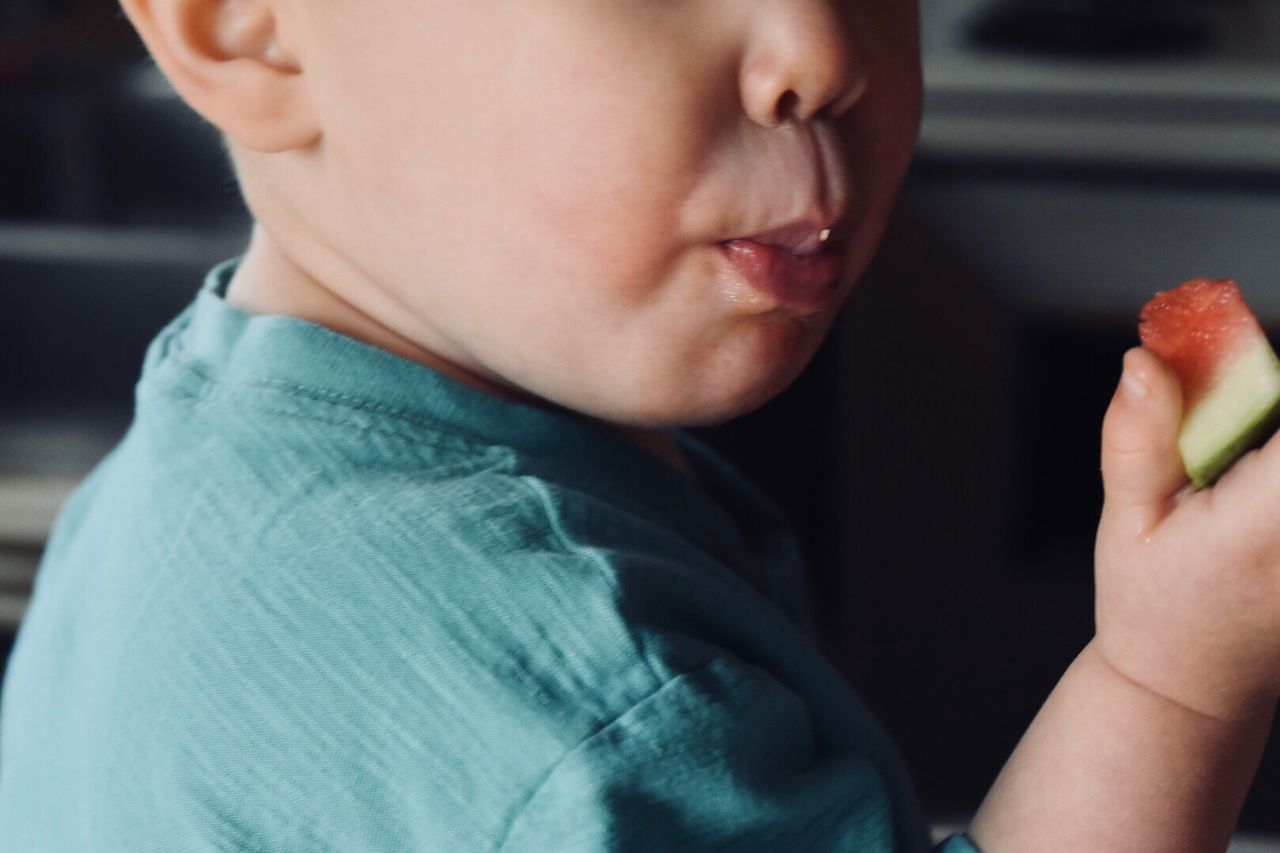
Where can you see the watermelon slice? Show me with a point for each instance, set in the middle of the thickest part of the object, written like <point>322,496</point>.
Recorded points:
<point>1230,375</point>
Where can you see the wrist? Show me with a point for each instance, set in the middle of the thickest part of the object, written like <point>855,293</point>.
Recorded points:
<point>1109,760</point>
<point>1224,703</point>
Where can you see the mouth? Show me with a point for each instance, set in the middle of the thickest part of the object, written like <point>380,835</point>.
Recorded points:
<point>795,266</point>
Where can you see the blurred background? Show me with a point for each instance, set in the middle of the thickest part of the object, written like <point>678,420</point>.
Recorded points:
<point>939,458</point>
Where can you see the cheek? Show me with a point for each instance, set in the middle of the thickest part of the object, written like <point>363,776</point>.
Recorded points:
<point>607,144</point>
<point>601,203</point>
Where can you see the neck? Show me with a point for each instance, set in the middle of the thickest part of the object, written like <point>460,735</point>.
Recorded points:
<point>267,281</point>
<point>660,444</point>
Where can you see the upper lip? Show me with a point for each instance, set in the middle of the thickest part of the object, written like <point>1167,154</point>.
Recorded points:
<point>800,237</point>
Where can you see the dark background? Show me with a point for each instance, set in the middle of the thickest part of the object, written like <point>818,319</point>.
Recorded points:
<point>939,458</point>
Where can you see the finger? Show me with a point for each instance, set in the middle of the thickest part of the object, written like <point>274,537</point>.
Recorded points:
<point>1141,469</point>
<point>1256,474</point>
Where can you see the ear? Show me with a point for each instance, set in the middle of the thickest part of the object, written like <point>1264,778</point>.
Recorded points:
<point>230,61</point>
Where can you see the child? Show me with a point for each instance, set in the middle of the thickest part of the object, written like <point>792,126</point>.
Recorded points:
<point>402,550</point>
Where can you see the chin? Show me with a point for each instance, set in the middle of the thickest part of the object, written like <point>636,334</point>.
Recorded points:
<point>718,410</point>
<point>702,385</point>
<point>729,394</point>
<point>758,371</point>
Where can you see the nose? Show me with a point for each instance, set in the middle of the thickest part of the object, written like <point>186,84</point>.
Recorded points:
<point>802,60</point>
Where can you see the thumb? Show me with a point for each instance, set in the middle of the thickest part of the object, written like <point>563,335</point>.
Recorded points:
<point>1141,468</point>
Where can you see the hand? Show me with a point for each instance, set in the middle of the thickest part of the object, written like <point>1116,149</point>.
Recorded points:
<point>1188,582</point>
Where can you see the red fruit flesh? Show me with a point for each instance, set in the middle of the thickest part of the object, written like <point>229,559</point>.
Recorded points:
<point>1196,328</point>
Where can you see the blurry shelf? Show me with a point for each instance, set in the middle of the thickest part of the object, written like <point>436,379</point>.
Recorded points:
<point>16,569</point>
<point>12,609</point>
<point>1215,110</point>
<point>1094,253</point>
<point>28,506</point>
<point>17,573</point>
<point>39,243</point>
<point>43,456</point>
<point>1079,141</point>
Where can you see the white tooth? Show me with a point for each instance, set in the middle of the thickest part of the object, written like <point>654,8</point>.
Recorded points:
<point>824,235</point>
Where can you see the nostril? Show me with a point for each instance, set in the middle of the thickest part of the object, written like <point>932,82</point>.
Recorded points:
<point>788,105</point>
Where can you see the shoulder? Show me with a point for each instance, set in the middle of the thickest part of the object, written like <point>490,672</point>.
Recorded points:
<point>392,631</point>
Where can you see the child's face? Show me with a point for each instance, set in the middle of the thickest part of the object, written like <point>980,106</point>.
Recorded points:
<point>542,190</point>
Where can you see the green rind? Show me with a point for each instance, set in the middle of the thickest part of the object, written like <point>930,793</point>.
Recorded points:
<point>1237,415</point>
<point>1205,472</point>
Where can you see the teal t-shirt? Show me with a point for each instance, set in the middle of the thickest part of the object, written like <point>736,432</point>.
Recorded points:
<point>323,598</point>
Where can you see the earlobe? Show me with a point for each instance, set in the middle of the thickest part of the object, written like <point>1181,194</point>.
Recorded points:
<point>230,61</point>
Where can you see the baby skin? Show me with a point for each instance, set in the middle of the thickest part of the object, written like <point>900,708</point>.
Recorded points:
<point>649,213</point>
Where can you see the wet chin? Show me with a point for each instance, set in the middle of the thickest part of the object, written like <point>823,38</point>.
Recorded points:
<point>725,404</point>
<point>735,383</point>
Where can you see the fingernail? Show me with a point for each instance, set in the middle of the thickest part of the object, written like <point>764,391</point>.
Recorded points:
<point>1135,386</point>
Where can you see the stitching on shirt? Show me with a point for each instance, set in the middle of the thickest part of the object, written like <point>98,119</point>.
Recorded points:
<point>430,438</point>
<point>319,395</point>
<point>213,393</point>
<point>551,771</point>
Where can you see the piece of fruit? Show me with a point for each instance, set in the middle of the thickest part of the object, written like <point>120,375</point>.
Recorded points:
<point>1230,375</point>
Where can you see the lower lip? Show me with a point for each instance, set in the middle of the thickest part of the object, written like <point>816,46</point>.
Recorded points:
<point>801,282</point>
